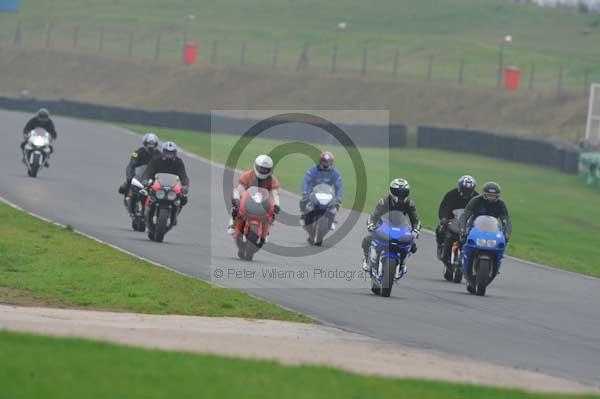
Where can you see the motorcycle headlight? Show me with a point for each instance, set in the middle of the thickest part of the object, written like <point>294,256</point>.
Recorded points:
<point>171,195</point>
<point>481,242</point>
<point>160,194</point>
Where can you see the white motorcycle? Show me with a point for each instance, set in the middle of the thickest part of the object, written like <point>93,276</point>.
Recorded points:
<point>36,151</point>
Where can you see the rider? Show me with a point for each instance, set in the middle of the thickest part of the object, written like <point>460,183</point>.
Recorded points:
<point>457,198</point>
<point>140,157</point>
<point>323,172</point>
<point>260,176</point>
<point>40,120</point>
<point>169,162</point>
<point>397,200</point>
<point>488,203</point>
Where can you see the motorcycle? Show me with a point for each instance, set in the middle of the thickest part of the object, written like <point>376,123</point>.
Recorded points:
<point>319,213</point>
<point>134,201</point>
<point>36,151</point>
<point>256,213</point>
<point>452,268</point>
<point>390,249</point>
<point>482,254</point>
<point>163,203</point>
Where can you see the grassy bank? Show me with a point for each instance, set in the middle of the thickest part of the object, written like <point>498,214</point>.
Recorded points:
<point>555,217</point>
<point>35,367</point>
<point>43,264</point>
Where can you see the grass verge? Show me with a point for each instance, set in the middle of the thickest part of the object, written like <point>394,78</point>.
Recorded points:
<point>44,264</point>
<point>555,217</point>
<point>36,367</point>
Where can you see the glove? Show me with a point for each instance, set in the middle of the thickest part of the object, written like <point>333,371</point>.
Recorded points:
<point>371,227</point>
<point>235,203</point>
<point>444,221</point>
<point>185,190</point>
<point>338,205</point>
<point>277,209</point>
<point>143,192</point>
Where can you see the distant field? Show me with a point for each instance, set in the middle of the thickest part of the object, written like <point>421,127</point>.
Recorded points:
<point>40,367</point>
<point>555,217</point>
<point>448,30</point>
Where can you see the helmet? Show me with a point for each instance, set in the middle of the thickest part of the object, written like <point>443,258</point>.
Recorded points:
<point>466,185</point>
<point>263,166</point>
<point>169,150</point>
<point>150,141</point>
<point>399,190</point>
<point>491,191</point>
<point>326,160</point>
<point>43,114</point>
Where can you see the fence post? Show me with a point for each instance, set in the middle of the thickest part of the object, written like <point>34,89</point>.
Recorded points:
<point>76,36</point>
<point>303,59</point>
<point>586,81</point>
<point>363,69</point>
<point>461,71</point>
<point>157,46</point>
<point>559,83</point>
<point>430,68</point>
<point>131,38</point>
<point>214,53</point>
<point>49,33</point>
<point>334,58</point>
<point>18,35</point>
<point>243,55</point>
<point>531,77</point>
<point>275,59</point>
<point>396,60</point>
<point>101,40</point>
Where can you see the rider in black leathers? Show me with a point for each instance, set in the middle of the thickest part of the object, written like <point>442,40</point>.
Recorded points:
<point>40,120</point>
<point>488,203</point>
<point>457,198</point>
<point>169,162</point>
<point>140,157</point>
<point>397,200</point>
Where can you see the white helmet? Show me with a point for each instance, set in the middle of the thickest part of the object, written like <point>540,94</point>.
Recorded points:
<point>150,139</point>
<point>263,166</point>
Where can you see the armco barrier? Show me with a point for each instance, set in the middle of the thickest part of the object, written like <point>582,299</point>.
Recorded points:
<point>361,135</point>
<point>545,153</point>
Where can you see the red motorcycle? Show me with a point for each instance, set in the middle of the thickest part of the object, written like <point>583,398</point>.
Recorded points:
<point>255,216</point>
<point>162,205</point>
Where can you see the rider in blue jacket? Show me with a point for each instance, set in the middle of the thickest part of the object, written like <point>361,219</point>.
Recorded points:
<point>323,172</point>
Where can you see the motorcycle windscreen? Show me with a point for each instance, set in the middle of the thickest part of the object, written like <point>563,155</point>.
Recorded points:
<point>323,194</point>
<point>453,225</point>
<point>395,226</point>
<point>257,202</point>
<point>166,179</point>
<point>139,172</point>
<point>487,224</point>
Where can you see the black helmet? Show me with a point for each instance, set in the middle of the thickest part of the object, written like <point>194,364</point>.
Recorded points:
<point>491,191</point>
<point>43,114</point>
<point>466,185</point>
<point>399,190</point>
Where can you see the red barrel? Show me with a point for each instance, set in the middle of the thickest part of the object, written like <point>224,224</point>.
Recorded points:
<point>190,54</point>
<point>512,78</point>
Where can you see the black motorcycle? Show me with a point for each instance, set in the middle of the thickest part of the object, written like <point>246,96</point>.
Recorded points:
<point>452,264</point>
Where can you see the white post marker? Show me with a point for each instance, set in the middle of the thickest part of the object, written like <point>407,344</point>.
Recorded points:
<point>592,131</point>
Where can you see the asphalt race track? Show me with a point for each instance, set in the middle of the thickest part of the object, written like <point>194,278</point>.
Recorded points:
<point>532,317</point>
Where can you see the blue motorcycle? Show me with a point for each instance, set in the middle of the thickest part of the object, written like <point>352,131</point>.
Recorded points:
<point>482,254</point>
<point>319,213</point>
<point>390,248</point>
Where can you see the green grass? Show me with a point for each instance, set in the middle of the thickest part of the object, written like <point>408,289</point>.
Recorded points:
<point>43,264</point>
<point>450,30</point>
<point>39,367</point>
<point>555,217</point>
